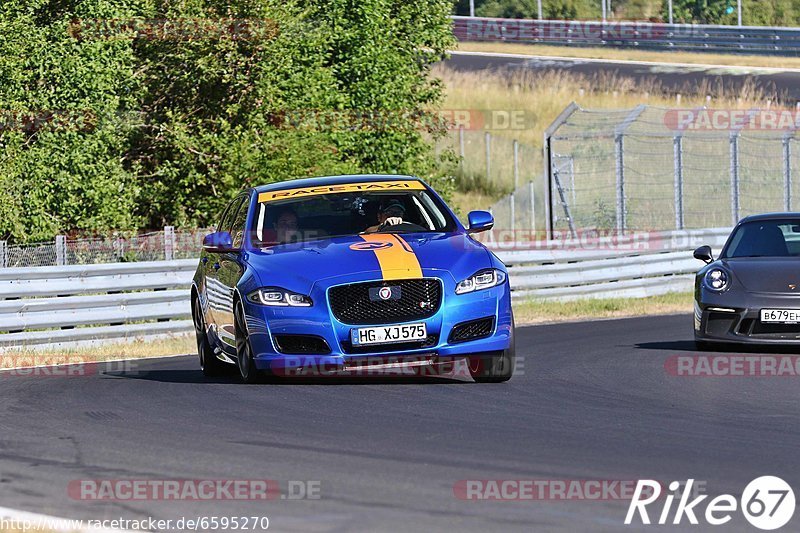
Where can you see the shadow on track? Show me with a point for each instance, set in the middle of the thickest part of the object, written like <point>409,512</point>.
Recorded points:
<point>684,346</point>
<point>689,346</point>
<point>197,377</point>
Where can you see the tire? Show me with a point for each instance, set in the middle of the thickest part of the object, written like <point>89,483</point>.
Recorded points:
<point>209,364</point>
<point>495,368</point>
<point>244,353</point>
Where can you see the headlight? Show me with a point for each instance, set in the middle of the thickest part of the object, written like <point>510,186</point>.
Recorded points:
<point>485,279</point>
<point>279,297</point>
<point>716,279</point>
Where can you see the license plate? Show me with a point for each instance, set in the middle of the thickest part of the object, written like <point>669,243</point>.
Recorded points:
<point>388,334</point>
<point>784,316</point>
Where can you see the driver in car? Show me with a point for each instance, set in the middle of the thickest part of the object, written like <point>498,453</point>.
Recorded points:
<point>390,214</point>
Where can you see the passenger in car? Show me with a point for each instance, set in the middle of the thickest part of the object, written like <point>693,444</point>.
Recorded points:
<point>284,229</point>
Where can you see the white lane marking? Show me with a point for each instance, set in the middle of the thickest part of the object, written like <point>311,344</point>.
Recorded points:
<point>655,64</point>
<point>46,523</point>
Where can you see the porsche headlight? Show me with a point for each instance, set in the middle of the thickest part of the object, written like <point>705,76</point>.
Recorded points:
<point>716,279</point>
<point>277,297</point>
<point>485,279</point>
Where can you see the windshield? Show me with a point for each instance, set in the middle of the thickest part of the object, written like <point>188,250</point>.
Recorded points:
<point>767,238</point>
<point>318,216</point>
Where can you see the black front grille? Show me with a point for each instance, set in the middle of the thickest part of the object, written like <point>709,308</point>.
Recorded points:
<point>769,328</point>
<point>719,324</point>
<point>418,299</point>
<point>474,329</point>
<point>301,344</point>
<point>428,342</point>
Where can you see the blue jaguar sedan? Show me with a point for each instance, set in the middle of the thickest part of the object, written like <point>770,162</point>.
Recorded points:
<point>343,274</point>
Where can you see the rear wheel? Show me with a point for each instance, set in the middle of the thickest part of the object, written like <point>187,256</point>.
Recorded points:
<point>244,353</point>
<point>494,368</point>
<point>209,364</point>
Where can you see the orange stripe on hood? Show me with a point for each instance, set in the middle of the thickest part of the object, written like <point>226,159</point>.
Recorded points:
<point>397,260</point>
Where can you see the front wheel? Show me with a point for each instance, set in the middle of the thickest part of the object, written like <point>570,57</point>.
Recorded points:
<point>244,353</point>
<point>209,364</point>
<point>494,368</point>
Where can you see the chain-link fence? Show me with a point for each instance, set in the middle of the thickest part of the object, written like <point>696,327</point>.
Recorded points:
<point>492,165</point>
<point>152,246</point>
<point>653,168</point>
<point>490,162</point>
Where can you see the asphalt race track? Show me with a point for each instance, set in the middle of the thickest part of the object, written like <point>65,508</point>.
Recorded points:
<point>674,79</point>
<point>592,402</point>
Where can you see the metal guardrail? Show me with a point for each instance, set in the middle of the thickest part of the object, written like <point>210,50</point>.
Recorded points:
<point>51,307</point>
<point>68,305</point>
<point>630,270</point>
<point>645,35</point>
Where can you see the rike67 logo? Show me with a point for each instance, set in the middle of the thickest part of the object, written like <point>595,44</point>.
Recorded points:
<point>767,503</point>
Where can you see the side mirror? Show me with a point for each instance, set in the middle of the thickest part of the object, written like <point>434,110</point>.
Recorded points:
<point>219,242</point>
<point>480,221</point>
<point>704,254</point>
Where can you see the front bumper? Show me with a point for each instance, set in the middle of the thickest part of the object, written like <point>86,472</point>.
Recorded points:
<point>736,318</point>
<point>265,324</point>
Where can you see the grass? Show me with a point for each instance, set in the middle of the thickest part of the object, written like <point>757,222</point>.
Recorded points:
<point>541,311</point>
<point>182,344</point>
<point>734,60</point>
<point>541,97</point>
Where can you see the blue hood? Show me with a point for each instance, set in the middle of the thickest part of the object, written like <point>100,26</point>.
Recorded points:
<point>297,267</point>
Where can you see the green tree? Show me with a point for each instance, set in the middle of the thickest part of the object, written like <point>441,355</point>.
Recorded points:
<point>69,173</point>
<point>176,126</point>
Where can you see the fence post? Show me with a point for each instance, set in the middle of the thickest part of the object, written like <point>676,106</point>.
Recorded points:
<point>619,131</point>
<point>513,212</point>
<point>533,208</point>
<point>677,144</point>
<point>547,159</point>
<point>169,243</point>
<point>787,173</point>
<point>516,164</point>
<point>735,177</point>
<point>620,162</point>
<point>61,250</point>
<point>461,145</point>
<point>3,254</point>
<point>488,143</point>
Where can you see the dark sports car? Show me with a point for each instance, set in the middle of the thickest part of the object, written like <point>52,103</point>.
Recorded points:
<point>751,293</point>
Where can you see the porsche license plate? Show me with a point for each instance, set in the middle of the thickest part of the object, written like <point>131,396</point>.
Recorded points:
<point>388,334</point>
<point>781,316</point>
